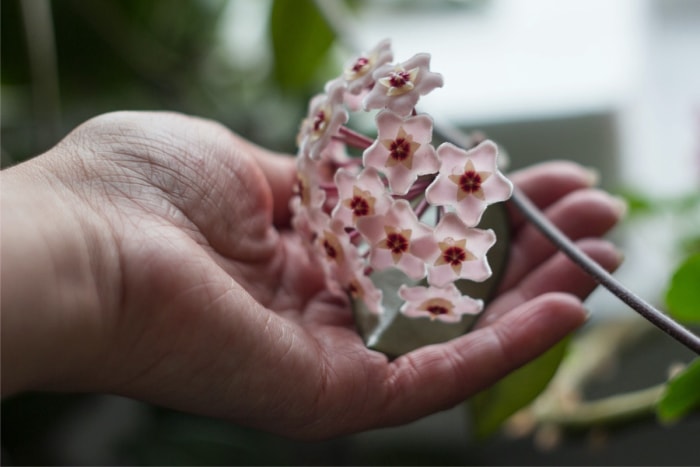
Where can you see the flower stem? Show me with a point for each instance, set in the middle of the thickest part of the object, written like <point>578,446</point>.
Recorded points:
<point>656,317</point>
<point>334,13</point>
<point>353,138</point>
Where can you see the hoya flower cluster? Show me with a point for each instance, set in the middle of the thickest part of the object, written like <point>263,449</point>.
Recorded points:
<point>404,204</point>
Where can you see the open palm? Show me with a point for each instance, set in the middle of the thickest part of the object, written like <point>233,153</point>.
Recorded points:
<point>210,305</point>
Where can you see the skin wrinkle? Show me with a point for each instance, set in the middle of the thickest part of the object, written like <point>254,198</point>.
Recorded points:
<point>537,281</point>
<point>210,358</point>
<point>542,184</point>
<point>173,346</point>
<point>168,180</point>
<point>595,204</point>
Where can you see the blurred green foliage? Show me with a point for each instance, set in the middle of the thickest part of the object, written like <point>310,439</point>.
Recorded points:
<point>494,405</point>
<point>683,295</point>
<point>169,55</point>
<point>152,55</point>
<point>300,40</point>
<point>682,395</point>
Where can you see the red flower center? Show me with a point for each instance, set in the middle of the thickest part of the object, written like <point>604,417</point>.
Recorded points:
<point>359,206</point>
<point>400,149</point>
<point>360,63</point>
<point>397,243</point>
<point>330,249</point>
<point>437,310</point>
<point>398,79</point>
<point>470,181</point>
<point>319,121</point>
<point>454,256</point>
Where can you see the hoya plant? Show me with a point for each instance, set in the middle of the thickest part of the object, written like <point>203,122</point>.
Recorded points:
<point>412,228</point>
<point>399,227</point>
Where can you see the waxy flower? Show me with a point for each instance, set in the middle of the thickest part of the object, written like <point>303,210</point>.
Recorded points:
<point>358,72</point>
<point>461,252</point>
<point>339,256</point>
<point>361,216</point>
<point>469,181</point>
<point>398,87</point>
<point>360,287</point>
<point>326,115</point>
<point>438,303</point>
<point>397,239</point>
<point>402,150</point>
<point>360,195</point>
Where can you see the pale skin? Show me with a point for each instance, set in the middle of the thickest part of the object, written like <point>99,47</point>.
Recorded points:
<point>149,255</point>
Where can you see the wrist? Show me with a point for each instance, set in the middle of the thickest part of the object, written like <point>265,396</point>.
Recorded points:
<point>50,304</point>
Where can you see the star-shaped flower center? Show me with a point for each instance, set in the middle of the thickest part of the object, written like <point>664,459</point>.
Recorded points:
<point>303,189</point>
<point>397,241</point>
<point>469,182</point>
<point>399,81</point>
<point>360,67</point>
<point>361,203</point>
<point>454,252</point>
<point>401,149</point>
<point>331,245</point>
<point>320,122</point>
<point>437,307</point>
<point>355,290</point>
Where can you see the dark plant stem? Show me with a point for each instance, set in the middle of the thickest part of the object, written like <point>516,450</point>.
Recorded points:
<point>337,16</point>
<point>563,243</point>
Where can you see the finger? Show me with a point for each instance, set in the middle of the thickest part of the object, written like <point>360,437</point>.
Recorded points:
<point>583,213</point>
<point>557,274</point>
<point>280,172</point>
<point>438,377</point>
<point>546,183</point>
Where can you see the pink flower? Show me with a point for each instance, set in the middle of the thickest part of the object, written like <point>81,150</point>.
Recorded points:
<point>402,149</point>
<point>309,176</point>
<point>360,287</point>
<point>360,195</point>
<point>340,258</point>
<point>445,304</point>
<point>358,72</point>
<point>397,239</point>
<point>468,181</point>
<point>398,87</point>
<point>308,222</point>
<point>326,115</point>
<point>461,252</point>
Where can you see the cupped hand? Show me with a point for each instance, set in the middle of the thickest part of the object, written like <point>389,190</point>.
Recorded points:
<point>205,301</point>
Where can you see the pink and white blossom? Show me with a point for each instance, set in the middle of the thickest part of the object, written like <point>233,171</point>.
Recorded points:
<point>397,239</point>
<point>326,115</point>
<point>438,303</point>
<point>358,215</point>
<point>402,150</point>
<point>360,195</point>
<point>461,252</point>
<point>360,287</point>
<point>340,257</point>
<point>358,71</point>
<point>398,87</point>
<point>468,181</point>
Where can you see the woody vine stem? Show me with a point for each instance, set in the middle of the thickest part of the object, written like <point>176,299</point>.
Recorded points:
<point>338,20</point>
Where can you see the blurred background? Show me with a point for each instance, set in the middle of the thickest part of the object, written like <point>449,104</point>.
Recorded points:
<point>613,85</point>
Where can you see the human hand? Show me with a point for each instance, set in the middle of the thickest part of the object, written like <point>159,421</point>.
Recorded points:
<point>187,288</point>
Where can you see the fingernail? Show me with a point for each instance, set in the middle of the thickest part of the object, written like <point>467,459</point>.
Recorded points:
<point>619,205</point>
<point>620,257</point>
<point>592,176</point>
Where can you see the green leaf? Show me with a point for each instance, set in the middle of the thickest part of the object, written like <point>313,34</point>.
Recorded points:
<point>682,394</point>
<point>683,295</point>
<point>300,40</point>
<point>492,407</point>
